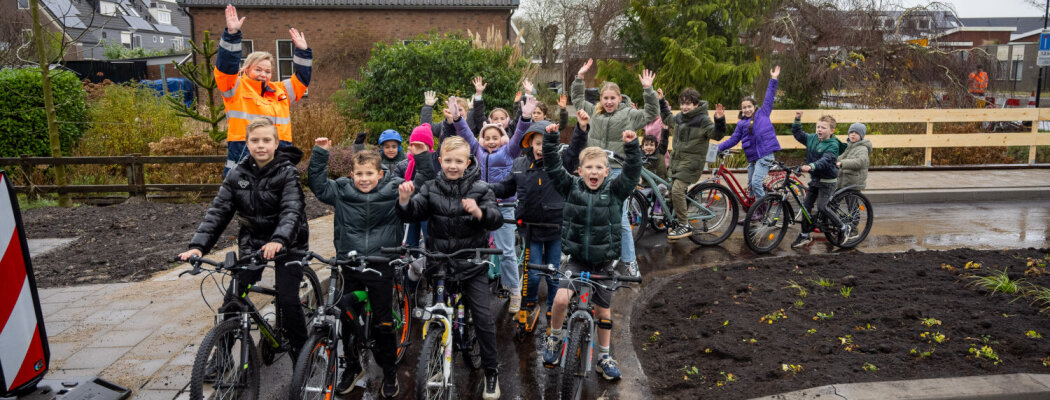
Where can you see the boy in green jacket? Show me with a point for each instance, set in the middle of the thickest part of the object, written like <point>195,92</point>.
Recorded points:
<point>821,151</point>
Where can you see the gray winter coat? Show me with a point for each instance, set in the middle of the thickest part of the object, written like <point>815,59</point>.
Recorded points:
<point>606,130</point>
<point>854,159</point>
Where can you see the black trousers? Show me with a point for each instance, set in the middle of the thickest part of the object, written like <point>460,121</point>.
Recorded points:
<point>290,317</point>
<point>381,297</point>
<point>819,193</point>
<point>478,298</point>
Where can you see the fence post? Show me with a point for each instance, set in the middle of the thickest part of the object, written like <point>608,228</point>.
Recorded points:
<point>1035,138</point>
<point>136,177</point>
<point>929,150</point>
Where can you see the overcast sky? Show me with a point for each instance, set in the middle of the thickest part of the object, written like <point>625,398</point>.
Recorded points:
<point>989,8</point>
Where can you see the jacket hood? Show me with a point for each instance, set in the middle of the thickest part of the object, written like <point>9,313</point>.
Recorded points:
<point>539,127</point>
<point>862,142</point>
<point>694,117</point>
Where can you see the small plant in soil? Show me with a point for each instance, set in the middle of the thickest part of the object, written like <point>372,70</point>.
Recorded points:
<point>866,327</point>
<point>822,316</point>
<point>948,267</point>
<point>930,322</point>
<point>823,282</point>
<point>726,379</point>
<point>846,291</point>
<point>655,337</point>
<point>972,265</point>
<point>998,282</point>
<point>791,369</point>
<point>1045,361</point>
<point>934,337</point>
<point>774,316</point>
<point>811,331</point>
<point>750,341</point>
<point>1033,335</point>
<point>847,343</point>
<point>799,303</point>
<point>690,372</point>
<point>869,367</point>
<point>801,289</point>
<point>694,317</point>
<point>922,354</point>
<point>1040,297</point>
<point>986,352</point>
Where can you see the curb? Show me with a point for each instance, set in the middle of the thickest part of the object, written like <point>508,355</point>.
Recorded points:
<point>960,195</point>
<point>998,387</point>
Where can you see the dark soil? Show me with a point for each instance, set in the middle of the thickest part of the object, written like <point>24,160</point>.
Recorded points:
<point>121,243</point>
<point>708,318</point>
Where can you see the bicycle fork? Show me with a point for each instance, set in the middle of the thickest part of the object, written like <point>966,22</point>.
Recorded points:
<point>580,316</point>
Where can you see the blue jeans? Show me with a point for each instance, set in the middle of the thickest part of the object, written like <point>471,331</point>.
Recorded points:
<point>542,253</point>
<point>508,263</point>
<point>237,150</point>
<point>416,231</point>
<point>756,174</point>
<point>627,254</point>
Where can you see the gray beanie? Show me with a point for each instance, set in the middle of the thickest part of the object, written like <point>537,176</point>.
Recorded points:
<point>859,128</point>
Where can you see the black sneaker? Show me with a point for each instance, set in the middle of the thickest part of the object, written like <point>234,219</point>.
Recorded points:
<point>491,385</point>
<point>390,386</point>
<point>802,240</point>
<point>845,230</point>
<point>350,375</point>
<point>682,231</point>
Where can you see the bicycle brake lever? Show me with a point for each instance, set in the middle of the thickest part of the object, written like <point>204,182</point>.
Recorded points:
<point>372,271</point>
<point>194,271</point>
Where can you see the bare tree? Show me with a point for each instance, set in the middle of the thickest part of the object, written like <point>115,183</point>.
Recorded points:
<point>572,29</point>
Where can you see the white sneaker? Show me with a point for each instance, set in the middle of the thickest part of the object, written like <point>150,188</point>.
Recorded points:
<point>515,303</point>
<point>632,268</point>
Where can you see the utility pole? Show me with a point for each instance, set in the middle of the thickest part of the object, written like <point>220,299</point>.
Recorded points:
<point>64,199</point>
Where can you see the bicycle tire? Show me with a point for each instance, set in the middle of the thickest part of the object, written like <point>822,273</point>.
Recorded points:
<point>573,374</point>
<point>315,369</point>
<point>637,214</point>
<point>769,225</point>
<point>799,188</point>
<point>403,310</point>
<point>714,198</point>
<point>470,340</point>
<point>430,366</point>
<point>313,296</point>
<point>853,208</point>
<point>224,338</point>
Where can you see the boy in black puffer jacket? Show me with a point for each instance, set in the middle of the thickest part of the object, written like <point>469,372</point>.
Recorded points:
<point>461,210</point>
<point>590,233</point>
<point>365,222</point>
<point>264,192</point>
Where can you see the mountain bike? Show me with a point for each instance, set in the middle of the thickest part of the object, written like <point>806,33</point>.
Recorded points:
<point>447,324</point>
<point>315,375</point>
<point>577,356</point>
<point>742,195</point>
<point>227,358</point>
<point>768,219</point>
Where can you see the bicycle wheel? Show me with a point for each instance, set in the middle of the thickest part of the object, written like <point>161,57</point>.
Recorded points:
<point>219,359</point>
<point>711,212</point>
<point>402,319</point>
<point>311,294</point>
<point>798,187</point>
<point>470,345</point>
<point>575,364</point>
<point>429,371</point>
<point>853,209</point>
<point>637,214</point>
<point>766,223</point>
<point>314,375</point>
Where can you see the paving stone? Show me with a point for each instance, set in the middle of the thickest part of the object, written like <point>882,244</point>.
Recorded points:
<point>56,328</point>
<point>111,317</point>
<point>62,351</point>
<point>67,373</point>
<point>70,314</point>
<point>142,369</point>
<point>94,357</point>
<point>157,347</point>
<point>152,394</point>
<point>170,377</point>
<point>186,356</point>
<point>122,338</point>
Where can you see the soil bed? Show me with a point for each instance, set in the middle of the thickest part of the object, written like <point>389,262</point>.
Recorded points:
<point>713,319</point>
<point>121,243</point>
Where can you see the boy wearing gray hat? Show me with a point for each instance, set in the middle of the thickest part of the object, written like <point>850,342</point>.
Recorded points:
<point>854,158</point>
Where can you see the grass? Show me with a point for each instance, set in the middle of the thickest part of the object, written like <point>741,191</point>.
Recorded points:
<point>998,282</point>
<point>26,204</point>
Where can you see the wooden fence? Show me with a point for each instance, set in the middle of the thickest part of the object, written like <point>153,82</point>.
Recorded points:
<point>134,168</point>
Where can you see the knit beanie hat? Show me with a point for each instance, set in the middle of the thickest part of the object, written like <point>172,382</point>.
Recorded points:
<point>422,134</point>
<point>859,128</point>
<point>539,127</point>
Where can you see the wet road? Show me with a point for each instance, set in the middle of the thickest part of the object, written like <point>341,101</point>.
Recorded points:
<point>896,228</point>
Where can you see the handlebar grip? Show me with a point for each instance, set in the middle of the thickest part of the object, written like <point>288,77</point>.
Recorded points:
<point>377,260</point>
<point>623,278</point>
<point>542,268</point>
<point>390,250</point>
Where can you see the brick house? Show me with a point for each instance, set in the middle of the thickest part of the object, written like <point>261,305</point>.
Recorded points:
<point>342,32</point>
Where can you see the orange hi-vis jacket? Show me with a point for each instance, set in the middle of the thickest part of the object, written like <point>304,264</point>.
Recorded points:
<point>978,82</point>
<point>246,98</point>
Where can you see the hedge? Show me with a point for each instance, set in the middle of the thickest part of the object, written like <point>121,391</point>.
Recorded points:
<point>23,121</point>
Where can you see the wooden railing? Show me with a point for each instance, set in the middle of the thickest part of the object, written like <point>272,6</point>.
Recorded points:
<point>134,169</point>
<point>928,139</point>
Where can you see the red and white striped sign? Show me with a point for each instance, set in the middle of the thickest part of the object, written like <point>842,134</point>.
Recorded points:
<point>24,354</point>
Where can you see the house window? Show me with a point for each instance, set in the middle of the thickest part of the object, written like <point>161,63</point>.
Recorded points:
<point>154,39</point>
<point>161,39</point>
<point>103,34</point>
<point>136,41</point>
<point>23,4</point>
<point>247,46</point>
<point>164,17</point>
<point>107,8</point>
<point>125,39</point>
<point>923,24</point>
<point>284,59</point>
<point>176,43</point>
<point>1018,68</point>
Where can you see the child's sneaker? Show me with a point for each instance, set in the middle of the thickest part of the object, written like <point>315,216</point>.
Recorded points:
<point>491,385</point>
<point>390,387</point>
<point>845,230</point>
<point>632,268</point>
<point>802,240</point>
<point>607,368</point>
<point>515,303</point>
<point>551,351</point>
<point>682,231</point>
<point>350,375</point>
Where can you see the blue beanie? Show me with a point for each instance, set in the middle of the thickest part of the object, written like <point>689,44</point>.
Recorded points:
<point>388,135</point>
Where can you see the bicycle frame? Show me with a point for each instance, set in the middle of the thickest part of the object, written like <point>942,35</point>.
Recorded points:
<point>669,217</point>
<point>583,315</point>
<point>249,314</point>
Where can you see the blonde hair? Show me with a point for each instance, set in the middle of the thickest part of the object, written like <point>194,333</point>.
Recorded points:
<point>260,123</point>
<point>593,152</point>
<point>496,110</point>
<point>829,119</point>
<point>607,86</point>
<point>454,143</point>
<point>254,58</point>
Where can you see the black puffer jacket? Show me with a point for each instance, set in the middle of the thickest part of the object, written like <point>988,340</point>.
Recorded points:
<point>590,231</point>
<point>268,202</point>
<point>538,201</point>
<point>450,227</point>
<point>364,222</point>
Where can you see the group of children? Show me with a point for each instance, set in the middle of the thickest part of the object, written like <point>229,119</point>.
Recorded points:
<point>452,196</point>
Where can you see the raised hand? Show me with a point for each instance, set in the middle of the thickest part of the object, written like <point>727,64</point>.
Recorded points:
<point>517,96</point>
<point>582,119</point>
<point>233,24</point>
<point>720,112</point>
<point>404,192</point>
<point>479,85</point>
<point>417,147</point>
<point>798,114</point>
<point>271,249</point>
<point>563,101</point>
<point>298,39</point>
<point>528,106</point>
<point>660,93</point>
<point>361,137</point>
<point>323,143</point>
<point>430,98</point>
<point>451,109</point>
<point>647,77</point>
<point>629,136</point>
<point>586,67</point>
<point>471,207</point>
<point>775,72</point>
<point>552,128</point>
<point>525,84</point>
<point>189,253</point>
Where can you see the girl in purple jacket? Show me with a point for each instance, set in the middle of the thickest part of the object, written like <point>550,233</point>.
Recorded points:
<point>756,135</point>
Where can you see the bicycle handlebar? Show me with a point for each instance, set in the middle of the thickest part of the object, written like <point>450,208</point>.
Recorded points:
<point>247,263</point>
<point>586,276</point>
<point>404,250</point>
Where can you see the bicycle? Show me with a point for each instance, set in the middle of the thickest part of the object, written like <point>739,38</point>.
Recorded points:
<point>577,355</point>
<point>530,312</point>
<point>447,325</point>
<point>227,357</point>
<point>710,209</point>
<point>315,375</point>
<point>721,175</point>
<point>766,222</point>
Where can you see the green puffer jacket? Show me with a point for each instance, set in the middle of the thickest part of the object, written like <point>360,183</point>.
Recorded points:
<point>591,218</point>
<point>693,131</point>
<point>364,222</point>
<point>606,130</point>
<point>854,169</point>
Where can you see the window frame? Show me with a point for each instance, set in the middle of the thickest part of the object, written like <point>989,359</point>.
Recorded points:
<point>20,7</point>
<point>281,73</point>
<point>115,6</point>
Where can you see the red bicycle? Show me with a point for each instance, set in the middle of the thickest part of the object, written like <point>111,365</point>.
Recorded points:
<point>742,195</point>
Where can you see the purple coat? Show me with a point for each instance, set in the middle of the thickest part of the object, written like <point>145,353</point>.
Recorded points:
<point>495,166</point>
<point>761,139</point>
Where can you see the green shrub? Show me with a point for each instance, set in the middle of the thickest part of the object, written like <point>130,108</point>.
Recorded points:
<point>626,77</point>
<point>23,122</point>
<point>390,91</point>
<point>126,119</point>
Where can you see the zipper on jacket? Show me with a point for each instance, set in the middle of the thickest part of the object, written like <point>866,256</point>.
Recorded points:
<point>587,231</point>
<point>368,222</point>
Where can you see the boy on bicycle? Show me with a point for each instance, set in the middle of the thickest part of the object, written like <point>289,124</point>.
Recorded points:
<point>822,150</point>
<point>460,210</point>
<point>263,191</point>
<point>365,221</point>
<point>590,233</point>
